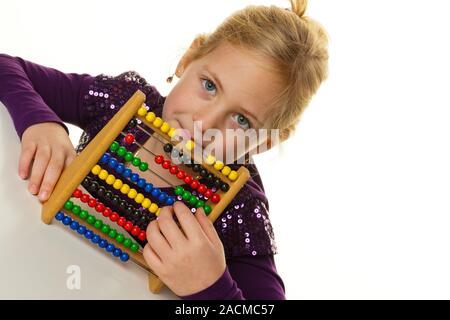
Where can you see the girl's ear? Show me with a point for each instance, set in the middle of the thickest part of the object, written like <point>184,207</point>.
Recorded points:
<point>186,59</point>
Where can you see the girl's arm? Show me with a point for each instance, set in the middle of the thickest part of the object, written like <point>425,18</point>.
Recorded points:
<point>245,278</point>
<point>35,94</point>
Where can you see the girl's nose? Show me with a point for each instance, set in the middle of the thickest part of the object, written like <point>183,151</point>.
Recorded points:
<point>205,118</point>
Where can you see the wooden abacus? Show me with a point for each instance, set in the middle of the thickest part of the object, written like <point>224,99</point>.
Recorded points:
<point>81,211</point>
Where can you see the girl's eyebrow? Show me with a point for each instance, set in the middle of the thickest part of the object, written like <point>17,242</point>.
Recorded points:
<point>244,111</point>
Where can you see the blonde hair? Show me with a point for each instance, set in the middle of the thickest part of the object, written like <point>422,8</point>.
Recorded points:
<point>296,44</point>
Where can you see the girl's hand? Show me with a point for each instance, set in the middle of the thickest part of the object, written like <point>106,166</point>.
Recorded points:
<point>49,146</point>
<point>187,260</point>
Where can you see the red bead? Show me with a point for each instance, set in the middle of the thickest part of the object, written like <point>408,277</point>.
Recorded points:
<point>142,236</point>
<point>84,198</point>
<point>135,231</point>
<point>215,198</point>
<point>113,217</point>
<point>121,221</point>
<point>181,174</point>
<point>188,179</point>
<point>159,159</point>
<point>195,184</point>
<point>173,170</point>
<point>208,193</point>
<point>107,212</point>
<point>77,193</point>
<point>99,207</point>
<point>92,202</point>
<point>166,164</point>
<point>129,138</point>
<point>201,188</point>
<point>128,226</point>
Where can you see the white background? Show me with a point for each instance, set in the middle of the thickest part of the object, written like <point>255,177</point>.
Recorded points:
<point>359,196</point>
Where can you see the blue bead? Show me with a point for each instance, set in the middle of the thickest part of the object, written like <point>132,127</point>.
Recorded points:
<point>162,197</point>
<point>170,201</point>
<point>74,225</point>
<point>134,177</point>
<point>120,167</point>
<point>124,257</point>
<point>148,187</point>
<point>112,162</point>
<point>88,234</point>
<point>156,192</point>
<point>127,173</point>
<point>117,252</point>
<point>103,243</point>
<point>81,230</point>
<point>59,216</point>
<point>105,158</point>
<point>110,247</point>
<point>95,238</point>
<point>66,220</point>
<point>141,183</point>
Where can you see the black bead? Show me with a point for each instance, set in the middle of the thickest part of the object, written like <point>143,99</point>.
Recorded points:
<point>217,182</point>
<point>209,177</point>
<point>86,181</point>
<point>115,200</point>
<point>129,210</point>
<point>196,168</point>
<point>93,186</point>
<point>101,192</point>
<point>123,205</point>
<point>224,187</point>
<point>203,172</point>
<point>187,161</point>
<point>108,195</point>
<point>168,147</point>
<point>132,124</point>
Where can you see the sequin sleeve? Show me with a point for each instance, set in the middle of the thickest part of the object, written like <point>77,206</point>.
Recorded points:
<point>33,93</point>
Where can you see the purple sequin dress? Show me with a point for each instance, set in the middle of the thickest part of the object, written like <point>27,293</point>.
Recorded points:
<point>35,94</point>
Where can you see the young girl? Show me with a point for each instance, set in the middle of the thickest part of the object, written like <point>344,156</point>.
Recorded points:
<point>258,69</point>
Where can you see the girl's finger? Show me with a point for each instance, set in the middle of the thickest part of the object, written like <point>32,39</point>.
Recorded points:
<point>170,229</point>
<point>157,241</point>
<point>207,226</point>
<point>152,259</point>
<point>26,157</point>
<point>52,173</point>
<point>187,220</point>
<point>40,163</point>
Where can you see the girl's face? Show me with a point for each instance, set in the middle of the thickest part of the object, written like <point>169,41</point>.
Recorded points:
<point>229,88</point>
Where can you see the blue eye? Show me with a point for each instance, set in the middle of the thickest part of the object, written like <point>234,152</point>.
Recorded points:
<point>208,85</point>
<point>242,121</point>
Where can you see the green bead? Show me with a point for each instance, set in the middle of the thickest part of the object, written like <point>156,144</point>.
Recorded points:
<point>76,210</point>
<point>134,247</point>
<point>121,151</point>
<point>114,146</point>
<point>128,156</point>
<point>68,205</point>
<point>84,214</point>
<point>186,195</point>
<point>193,201</point>
<point>200,203</point>
<point>207,209</point>
<point>112,233</point>
<point>120,238</point>
<point>136,161</point>
<point>90,219</point>
<point>105,229</point>
<point>179,190</point>
<point>98,224</point>
<point>143,166</point>
<point>127,243</point>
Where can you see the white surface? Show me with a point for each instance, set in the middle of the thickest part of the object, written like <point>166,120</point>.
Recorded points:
<point>366,211</point>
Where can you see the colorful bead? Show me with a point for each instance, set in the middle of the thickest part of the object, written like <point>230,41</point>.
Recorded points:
<point>143,166</point>
<point>112,162</point>
<point>136,161</point>
<point>121,151</point>
<point>179,190</point>
<point>157,122</point>
<point>150,117</point>
<point>153,208</point>
<point>233,175</point>
<point>84,198</point>
<point>165,127</point>
<point>190,145</point>
<point>139,198</point>
<point>215,198</point>
<point>114,146</point>
<point>159,159</point>
<point>134,247</point>
<point>226,170</point>
<point>208,193</point>
<point>166,164</point>
<point>181,174</point>
<point>125,189</point>
<point>98,224</point>
<point>110,179</point>
<point>120,238</point>
<point>132,193</point>
<point>84,214</point>
<point>96,169</point>
<point>77,193</point>
<point>103,174</point>
<point>207,209</point>
<point>210,159</point>
<point>127,243</point>
<point>68,205</point>
<point>129,138</point>
<point>218,165</point>
<point>173,169</point>
<point>117,184</point>
<point>90,219</point>
<point>76,210</point>
<point>146,203</point>
<point>105,157</point>
<point>128,157</point>
<point>188,179</point>
<point>142,111</point>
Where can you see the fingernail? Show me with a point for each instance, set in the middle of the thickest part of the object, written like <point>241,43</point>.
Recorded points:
<point>22,175</point>
<point>43,195</point>
<point>33,189</point>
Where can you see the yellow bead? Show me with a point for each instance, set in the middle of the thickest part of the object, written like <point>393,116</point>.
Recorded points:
<point>132,193</point>
<point>153,208</point>
<point>226,170</point>
<point>139,198</point>
<point>117,184</point>
<point>110,179</point>
<point>146,203</point>
<point>96,169</point>
<point>158,211</point>
<point>157,122</point>
<point>210,159</point>
<point>233,175</point>
<point>190,145</point>
<point>171,132</point>
<point>150,117</point>
<point>165,127</point>
<point>218,165</point>
<point>125,189</point>
<point>103,174</point>
<point>142,111</point>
